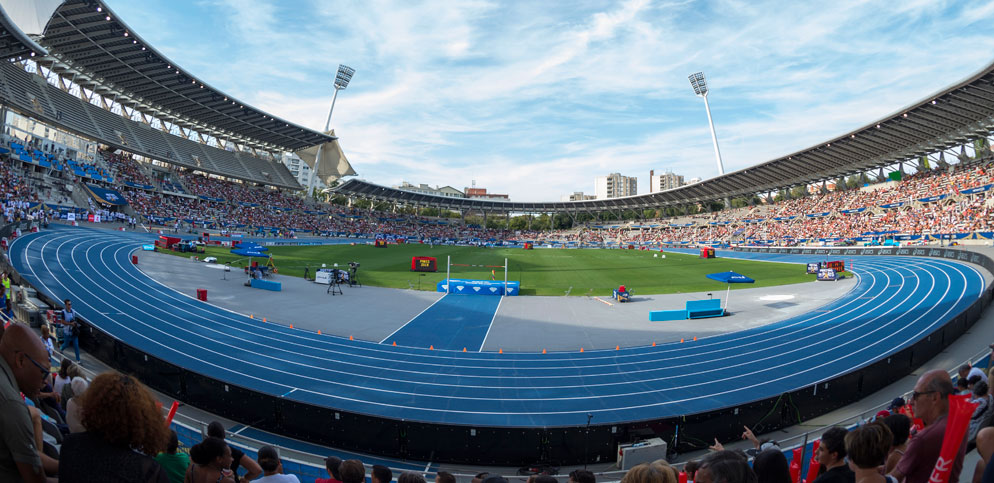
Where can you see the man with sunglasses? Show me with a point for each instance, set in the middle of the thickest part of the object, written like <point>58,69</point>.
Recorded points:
<point>930,403</point>
<point>24,365</point>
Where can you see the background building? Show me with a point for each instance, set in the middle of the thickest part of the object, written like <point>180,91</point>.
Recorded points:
<point>300,170</point>
<point>578,196</point>
<point>428,190</point>
<point>481,194</point>
<point>665,181</point>
<point>615,185</point>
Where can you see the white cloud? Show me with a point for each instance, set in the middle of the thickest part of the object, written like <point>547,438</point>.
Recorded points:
<point>535,99</point>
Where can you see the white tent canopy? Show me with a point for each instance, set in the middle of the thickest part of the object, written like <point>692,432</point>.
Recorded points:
<point>30,16</point>
<point>333,164</point>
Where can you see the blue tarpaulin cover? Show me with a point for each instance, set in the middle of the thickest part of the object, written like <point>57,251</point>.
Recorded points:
<point>106,196</point>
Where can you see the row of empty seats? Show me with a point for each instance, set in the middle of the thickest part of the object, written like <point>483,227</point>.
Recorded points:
<point>36,97</point>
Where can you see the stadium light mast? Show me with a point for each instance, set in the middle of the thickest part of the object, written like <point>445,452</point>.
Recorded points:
<point>700,85</point>
<point>341,82</point>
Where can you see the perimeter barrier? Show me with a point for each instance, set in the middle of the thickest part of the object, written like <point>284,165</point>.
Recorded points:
<point>516,446</point>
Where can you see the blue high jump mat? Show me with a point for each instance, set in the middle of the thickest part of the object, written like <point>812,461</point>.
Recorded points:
<point>453,322</point>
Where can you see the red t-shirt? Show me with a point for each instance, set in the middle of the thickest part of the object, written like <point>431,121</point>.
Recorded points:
<point>923,450</point>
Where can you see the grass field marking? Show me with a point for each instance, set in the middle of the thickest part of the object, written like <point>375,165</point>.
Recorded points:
<point>412,319</point>
<point>491,326</point>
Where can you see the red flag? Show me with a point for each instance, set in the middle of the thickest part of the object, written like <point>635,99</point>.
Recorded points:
<point>960,411</point>
<point>795,465</point>
<point>814,465</point>
<point>172,412</point>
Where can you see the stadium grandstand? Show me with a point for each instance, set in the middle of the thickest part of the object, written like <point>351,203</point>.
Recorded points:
<point>102,130</point>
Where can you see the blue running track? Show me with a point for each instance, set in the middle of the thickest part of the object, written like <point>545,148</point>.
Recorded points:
<point>453,322</point>
<point>896,301</point>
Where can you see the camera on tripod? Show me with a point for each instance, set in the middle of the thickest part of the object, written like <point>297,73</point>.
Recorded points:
<point>353,265</point>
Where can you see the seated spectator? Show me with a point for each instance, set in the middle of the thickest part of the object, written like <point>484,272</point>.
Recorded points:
<point>238,457</point>
<point>724,466</point>
<point>331,465</point>
<point>63,377</point>
<point>272,467</point>
<point>46,337</point>
<point>479,477</point>
<point>866,449</point>
<point>982,415</point>
<point>211,462</point>
<point>352,471</point>
<point>831,455</point>
<point>962,387</point>
<point>24,362</point>
<point>966,371</point>
<point>173,461</point>
<point>648,473</point>
<point>67,391</point>
<point>930,403</point>
<point>758,445</point>
<point>382,474</point>
<point>900,429</point>
<point>582,476</point>
<point>896,405</point>
<point>411,477</point>
<point>74,409</point>
<point>442,477</point>
<point>771,466</point>
<point>691,469</point>
<point>123,428</point>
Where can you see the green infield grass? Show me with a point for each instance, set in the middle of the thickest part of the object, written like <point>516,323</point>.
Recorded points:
<point>540,271</point>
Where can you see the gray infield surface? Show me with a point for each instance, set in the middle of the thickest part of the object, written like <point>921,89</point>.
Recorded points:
<point>525,323</point>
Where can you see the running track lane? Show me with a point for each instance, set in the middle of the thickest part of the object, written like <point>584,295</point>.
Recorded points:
<point>896,301</point>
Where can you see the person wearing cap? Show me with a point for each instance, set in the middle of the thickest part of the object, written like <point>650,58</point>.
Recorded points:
<point>331,465</point>
<point>896,405</point>
<point>272,467</point>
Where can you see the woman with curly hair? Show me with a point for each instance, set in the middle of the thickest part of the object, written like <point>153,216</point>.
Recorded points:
<point>123,427</point>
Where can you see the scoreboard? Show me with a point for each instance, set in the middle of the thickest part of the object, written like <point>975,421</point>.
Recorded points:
<point>424,264</point>
<point>838,265</point>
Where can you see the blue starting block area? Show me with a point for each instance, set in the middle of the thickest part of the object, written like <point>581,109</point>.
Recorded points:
<point>694,309</point>
<point>478,287</point>
<point>267,284</point>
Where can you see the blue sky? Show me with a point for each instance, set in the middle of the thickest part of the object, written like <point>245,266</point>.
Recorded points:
<point>535,99</point>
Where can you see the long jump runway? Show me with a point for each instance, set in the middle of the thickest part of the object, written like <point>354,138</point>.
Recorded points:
<point>897,301</point>
<point>453,322</point>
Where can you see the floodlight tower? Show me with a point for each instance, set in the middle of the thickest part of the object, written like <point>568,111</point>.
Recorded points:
<point>700,85</point>
<point>341,82</point>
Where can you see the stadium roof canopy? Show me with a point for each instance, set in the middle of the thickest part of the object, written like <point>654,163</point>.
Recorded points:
<point>86,41</point>
<point>949,118</point>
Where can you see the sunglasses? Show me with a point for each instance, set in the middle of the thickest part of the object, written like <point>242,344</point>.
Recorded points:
<point>915,394</point>
<point>44,371</point>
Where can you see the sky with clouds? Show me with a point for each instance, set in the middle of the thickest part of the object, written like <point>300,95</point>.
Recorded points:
<point>535,99</point>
